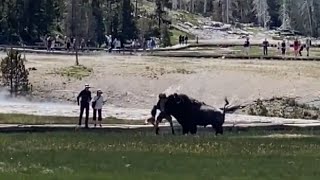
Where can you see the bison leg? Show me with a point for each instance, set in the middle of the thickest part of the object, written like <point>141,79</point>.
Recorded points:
<point>193,129</point>
<point>169,118</point>
<point>185,129</point>
<point>219,129</point>
<point>157,128</point>
<point>172,129</point>
<point>215,127</point>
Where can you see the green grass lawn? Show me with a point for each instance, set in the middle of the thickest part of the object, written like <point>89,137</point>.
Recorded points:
<point>77,72</point>
<point>31,120</point>
<point>142,155</point>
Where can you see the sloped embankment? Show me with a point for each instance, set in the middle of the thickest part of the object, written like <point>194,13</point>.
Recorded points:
<point>283,107</point>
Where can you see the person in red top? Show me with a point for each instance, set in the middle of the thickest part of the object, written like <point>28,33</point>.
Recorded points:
<point>296,46</point>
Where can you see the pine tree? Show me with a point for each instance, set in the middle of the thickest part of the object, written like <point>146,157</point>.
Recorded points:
<point>127,27</point>
<point>165,36</point>
<point>14,73</point>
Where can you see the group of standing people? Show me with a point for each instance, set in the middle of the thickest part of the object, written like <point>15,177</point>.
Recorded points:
<point>84,99</point>
<point>282,47</point>
<point>50,43</point>
<point>298,47</point>
<point>183,39</point>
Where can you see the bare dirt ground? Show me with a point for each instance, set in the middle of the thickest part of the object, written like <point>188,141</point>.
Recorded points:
<point>131,85</point>
<point>135,81</point>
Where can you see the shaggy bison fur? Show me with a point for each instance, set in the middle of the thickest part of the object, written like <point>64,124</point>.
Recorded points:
<point>190,113</point>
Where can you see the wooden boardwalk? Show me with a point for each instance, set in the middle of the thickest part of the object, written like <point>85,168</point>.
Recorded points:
<point>176,51</point>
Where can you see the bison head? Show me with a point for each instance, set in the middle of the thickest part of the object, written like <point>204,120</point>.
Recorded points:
<point>174,103</point>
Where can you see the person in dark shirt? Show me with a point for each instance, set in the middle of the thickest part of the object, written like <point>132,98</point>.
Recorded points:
<point>296,47</point>
<point>265,45</point>
<point>283,47</point>
<point>301,48</point>
<point>247,46</point>
<point>85,96</point>
<point>186,39</point>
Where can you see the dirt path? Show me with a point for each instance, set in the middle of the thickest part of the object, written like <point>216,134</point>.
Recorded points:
<point>135,81</point>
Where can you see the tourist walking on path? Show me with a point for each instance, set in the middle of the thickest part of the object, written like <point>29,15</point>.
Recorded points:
<point>49,42</point>
<point>296,47</point>
<point>308,45</point>
<point>97,104</point>
<point>265,45</point>
<point>283,47</point>
<point>247,46</point>
<point>85,96</point>
<point>300,48</point>
<point>186,40</point>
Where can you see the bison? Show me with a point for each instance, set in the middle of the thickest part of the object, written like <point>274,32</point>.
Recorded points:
<point>190,113</point>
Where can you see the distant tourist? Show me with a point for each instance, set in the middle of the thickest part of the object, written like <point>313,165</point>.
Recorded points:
<point>68,42</point>
<point>152,44</point>
<point>296,47</point>
<point>53,43</point>
<point>308,45</point>
<point>197,40</point>
<point>74,44</point>
<point>186,39</point>
<point>279,47</point>
<point>85,96</point>
<point>283,47</point>
<point>180,39</point>
<point>82,44</point>
<point>49,41</point>
<point>97,107</point>
<point>301,46</point>
<point>265,45</point>
<point>247,46</point>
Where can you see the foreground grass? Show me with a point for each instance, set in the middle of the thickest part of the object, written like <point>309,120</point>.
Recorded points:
<point>31,120</point>
<point>141,155</point>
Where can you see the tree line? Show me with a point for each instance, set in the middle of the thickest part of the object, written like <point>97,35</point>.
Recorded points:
<point>29,21</point>
<point>300,15</point>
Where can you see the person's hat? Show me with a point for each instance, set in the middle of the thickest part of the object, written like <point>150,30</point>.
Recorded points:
<point>86,86</point>
<point>99,91</point>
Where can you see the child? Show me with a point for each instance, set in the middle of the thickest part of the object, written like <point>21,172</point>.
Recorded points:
<point>97,106</point>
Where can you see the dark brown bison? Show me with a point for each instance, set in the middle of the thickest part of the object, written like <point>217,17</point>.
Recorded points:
<point>190,113</point>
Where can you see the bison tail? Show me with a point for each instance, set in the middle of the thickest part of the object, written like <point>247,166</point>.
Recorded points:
<point>224,108</point>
